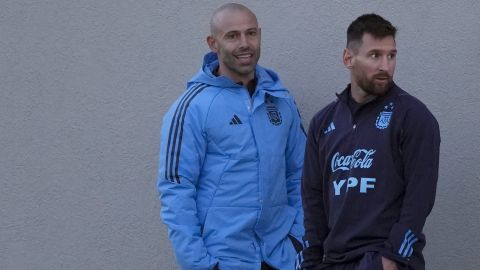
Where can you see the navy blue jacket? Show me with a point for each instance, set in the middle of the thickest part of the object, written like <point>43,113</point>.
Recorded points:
<point>369,180</point>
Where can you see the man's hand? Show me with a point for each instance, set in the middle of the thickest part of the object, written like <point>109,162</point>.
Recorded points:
<point>389,264</point>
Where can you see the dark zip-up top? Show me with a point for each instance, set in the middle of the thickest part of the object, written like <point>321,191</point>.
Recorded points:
<point>369,179</point>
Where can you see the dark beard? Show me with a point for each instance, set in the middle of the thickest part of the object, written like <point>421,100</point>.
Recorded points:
<point>371,88</point>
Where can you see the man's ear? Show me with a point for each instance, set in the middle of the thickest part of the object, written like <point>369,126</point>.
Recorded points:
<point>212,44</point>
<point>348,58</point>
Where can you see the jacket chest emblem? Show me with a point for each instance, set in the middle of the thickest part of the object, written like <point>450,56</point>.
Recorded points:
<point>273,113</point>
<point>383,119</point>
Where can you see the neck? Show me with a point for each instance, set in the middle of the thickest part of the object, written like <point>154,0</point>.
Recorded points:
<point>244,79</point>
<point>359,95</point>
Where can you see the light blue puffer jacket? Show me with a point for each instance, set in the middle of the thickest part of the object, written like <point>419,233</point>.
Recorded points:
<point>229,174</point>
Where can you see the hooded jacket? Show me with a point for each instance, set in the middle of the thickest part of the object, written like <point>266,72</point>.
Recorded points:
<point>229,174</point>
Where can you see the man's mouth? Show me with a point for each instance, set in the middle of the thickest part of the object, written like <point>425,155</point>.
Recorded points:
<point>245,58</point>
<point>382,77</point>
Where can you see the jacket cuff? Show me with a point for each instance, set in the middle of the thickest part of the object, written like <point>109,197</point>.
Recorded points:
<point>402,243</point>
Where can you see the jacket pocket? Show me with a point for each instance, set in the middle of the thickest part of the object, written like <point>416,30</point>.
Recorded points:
<point>296,244</point>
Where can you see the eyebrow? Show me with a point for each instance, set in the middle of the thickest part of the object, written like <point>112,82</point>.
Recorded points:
<point>380,50</point>
<point>249,29</point>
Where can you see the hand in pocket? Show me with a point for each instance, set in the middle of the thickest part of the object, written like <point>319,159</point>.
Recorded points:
<point>389,264</point>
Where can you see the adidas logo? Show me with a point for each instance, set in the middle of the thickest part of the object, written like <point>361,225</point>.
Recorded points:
<point>235,120</point>
<point>330,128</point>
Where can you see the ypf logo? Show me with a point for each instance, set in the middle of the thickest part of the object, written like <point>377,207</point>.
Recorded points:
<point>363,184</point>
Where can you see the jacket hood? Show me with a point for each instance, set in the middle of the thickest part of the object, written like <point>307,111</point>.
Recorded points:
<point>266,79</point>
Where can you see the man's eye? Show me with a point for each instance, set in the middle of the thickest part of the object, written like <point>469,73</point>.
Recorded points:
<point>373,55</point>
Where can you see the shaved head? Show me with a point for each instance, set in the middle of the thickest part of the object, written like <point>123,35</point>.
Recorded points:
<point>219,13</point>
<point>235,37</point>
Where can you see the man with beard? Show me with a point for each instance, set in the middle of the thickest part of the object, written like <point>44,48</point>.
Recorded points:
<point>231,158</point>
<point>371,164</point>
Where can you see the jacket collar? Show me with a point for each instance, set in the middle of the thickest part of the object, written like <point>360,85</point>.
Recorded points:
<point>345,95</point>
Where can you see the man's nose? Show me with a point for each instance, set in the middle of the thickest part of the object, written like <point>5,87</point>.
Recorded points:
<point>243,41</point>
<point>384,63</point>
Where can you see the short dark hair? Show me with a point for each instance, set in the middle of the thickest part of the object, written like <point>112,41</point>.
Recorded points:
<point>373,24</point>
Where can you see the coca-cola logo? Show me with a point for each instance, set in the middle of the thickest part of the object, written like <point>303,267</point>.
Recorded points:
<point>361,158</point>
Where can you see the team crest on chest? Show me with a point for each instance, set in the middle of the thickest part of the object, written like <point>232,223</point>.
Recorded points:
<point>273,113</point>
<point>383,119</point>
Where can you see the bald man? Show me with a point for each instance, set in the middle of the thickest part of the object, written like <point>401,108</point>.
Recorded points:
<point>231,158</point>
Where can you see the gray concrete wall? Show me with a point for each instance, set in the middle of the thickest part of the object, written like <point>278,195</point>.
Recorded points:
<point>84,85</point>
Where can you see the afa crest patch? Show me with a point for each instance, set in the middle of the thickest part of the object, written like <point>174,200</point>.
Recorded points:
<point>274,115</point>
<point>383,119</point>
